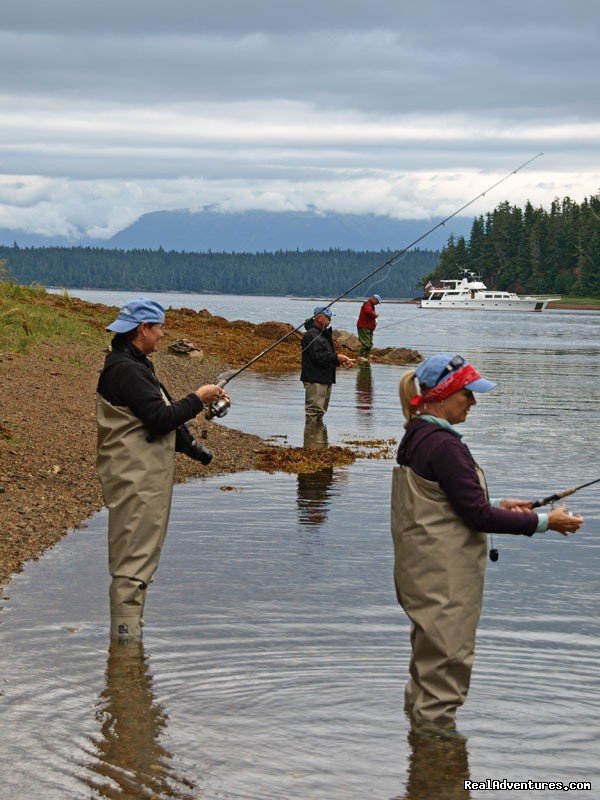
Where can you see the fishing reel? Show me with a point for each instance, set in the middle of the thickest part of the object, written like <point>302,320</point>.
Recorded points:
<point>220,407</point>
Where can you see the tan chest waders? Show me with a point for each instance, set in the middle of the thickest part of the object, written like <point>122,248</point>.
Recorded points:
<point>137,483</point>
<point>438,571</point>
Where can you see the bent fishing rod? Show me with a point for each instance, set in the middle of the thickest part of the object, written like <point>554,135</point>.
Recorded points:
<point>220,407</point>
<point>552,498</point>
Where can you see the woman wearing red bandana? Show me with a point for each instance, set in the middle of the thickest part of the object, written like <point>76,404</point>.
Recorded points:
<point>440,514</point>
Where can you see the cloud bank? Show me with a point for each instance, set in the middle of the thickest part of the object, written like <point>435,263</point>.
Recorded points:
<point>117,109</point>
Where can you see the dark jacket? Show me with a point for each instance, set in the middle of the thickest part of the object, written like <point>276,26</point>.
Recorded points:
<point>438,455</point>
<point>319,358</point>
<point>368,316</point>
<point>128,379</point>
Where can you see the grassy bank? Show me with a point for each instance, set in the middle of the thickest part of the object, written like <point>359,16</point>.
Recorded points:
<point>29,315</point>
<point>568,301</point>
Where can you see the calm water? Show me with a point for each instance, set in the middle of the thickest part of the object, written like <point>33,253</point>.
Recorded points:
<point>275,655</point>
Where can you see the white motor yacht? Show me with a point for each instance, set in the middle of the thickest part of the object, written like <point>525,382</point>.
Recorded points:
<point>471,293</point>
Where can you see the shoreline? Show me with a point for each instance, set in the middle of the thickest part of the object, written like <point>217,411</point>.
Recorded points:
<point>48,480</point>
<point>563,306</point>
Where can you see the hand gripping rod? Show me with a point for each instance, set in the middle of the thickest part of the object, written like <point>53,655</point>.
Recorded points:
<point>226,377</point>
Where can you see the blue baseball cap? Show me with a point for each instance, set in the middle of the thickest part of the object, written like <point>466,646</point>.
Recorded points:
<point>377,297</point>
<point>135,312</point>
<point>435,369</point>
<point>323,310</point>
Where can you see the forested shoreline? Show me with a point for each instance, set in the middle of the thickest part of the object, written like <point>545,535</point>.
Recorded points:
<point>531,249</point>
<point>301,273</point>
<point>525,250</point>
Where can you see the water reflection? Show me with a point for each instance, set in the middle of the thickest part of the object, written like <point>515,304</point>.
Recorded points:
<point>314,711</point>
<point>129,759</point>
<point>314,487</point>
<point>315,435</point>
<point>364,388</point>
<point>437,770</point>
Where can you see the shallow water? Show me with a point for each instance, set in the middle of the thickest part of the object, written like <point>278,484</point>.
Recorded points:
<point>275,655</point>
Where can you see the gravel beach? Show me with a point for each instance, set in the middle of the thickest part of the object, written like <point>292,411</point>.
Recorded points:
<point>48,481</point>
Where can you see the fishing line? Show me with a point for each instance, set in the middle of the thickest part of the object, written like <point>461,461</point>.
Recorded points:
<point>226,377</point>
<point>379,327</point>
<point>404,321</point>
<point>405,250</point>
<point>371,286</point>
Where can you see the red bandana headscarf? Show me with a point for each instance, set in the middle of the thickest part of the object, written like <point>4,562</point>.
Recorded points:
<point>453,383</point>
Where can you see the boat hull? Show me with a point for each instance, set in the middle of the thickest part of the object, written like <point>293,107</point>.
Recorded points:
<point>487,305</point>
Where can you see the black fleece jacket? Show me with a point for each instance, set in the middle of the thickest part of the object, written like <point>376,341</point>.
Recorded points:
<point>319,358</point>
<point>128,379</point>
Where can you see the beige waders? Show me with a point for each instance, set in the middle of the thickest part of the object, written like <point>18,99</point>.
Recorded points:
<point>316,400</point>
<point>438,572</point>
<point>137,483</point>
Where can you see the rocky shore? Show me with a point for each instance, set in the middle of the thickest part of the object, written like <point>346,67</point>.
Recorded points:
<point>48,483</point>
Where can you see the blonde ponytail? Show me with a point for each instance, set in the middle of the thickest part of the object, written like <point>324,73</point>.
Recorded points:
<point>406,390</point>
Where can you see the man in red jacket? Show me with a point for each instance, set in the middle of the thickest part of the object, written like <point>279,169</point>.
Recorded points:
<point>366,324</point>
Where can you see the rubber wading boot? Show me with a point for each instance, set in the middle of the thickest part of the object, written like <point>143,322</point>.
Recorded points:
<point>436,732</point>
<point>126,629</point>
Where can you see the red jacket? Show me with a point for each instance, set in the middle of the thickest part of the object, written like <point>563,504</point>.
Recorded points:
<point>367,317</point>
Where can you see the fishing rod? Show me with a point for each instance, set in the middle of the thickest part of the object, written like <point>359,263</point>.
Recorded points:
<point>220,407</point>
<point>559,495</point>
<point>404,321</point>
<point>543,501</point>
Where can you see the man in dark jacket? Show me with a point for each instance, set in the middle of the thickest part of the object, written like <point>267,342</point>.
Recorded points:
<point>366,324</point>
<point>319,362</point>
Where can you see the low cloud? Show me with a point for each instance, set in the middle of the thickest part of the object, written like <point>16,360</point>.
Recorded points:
<point>102,208</point>
<point>111,110</point>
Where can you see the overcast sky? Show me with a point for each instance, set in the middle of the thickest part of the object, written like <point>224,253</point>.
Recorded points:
<point>111,109</point>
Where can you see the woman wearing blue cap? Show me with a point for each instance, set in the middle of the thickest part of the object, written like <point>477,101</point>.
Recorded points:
<point>440,512</point>
<point>137,421</point>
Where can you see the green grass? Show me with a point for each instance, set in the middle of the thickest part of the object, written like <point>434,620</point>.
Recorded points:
<point>28,314</point>
<point>579,301</point>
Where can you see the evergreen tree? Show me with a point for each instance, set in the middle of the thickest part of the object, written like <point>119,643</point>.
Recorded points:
<point>533,250</point>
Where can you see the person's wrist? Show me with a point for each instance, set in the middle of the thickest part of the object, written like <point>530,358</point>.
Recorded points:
<point>542,525</point>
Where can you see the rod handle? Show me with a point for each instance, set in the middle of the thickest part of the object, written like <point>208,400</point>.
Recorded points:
<point>543,501</point>
<point>553,497</point>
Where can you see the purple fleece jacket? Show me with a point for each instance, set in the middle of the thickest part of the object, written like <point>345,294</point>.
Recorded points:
<point>436,454</point>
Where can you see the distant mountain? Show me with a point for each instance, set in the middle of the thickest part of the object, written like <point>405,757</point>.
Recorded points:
<point>258,231</point>
<point>24,239</point>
